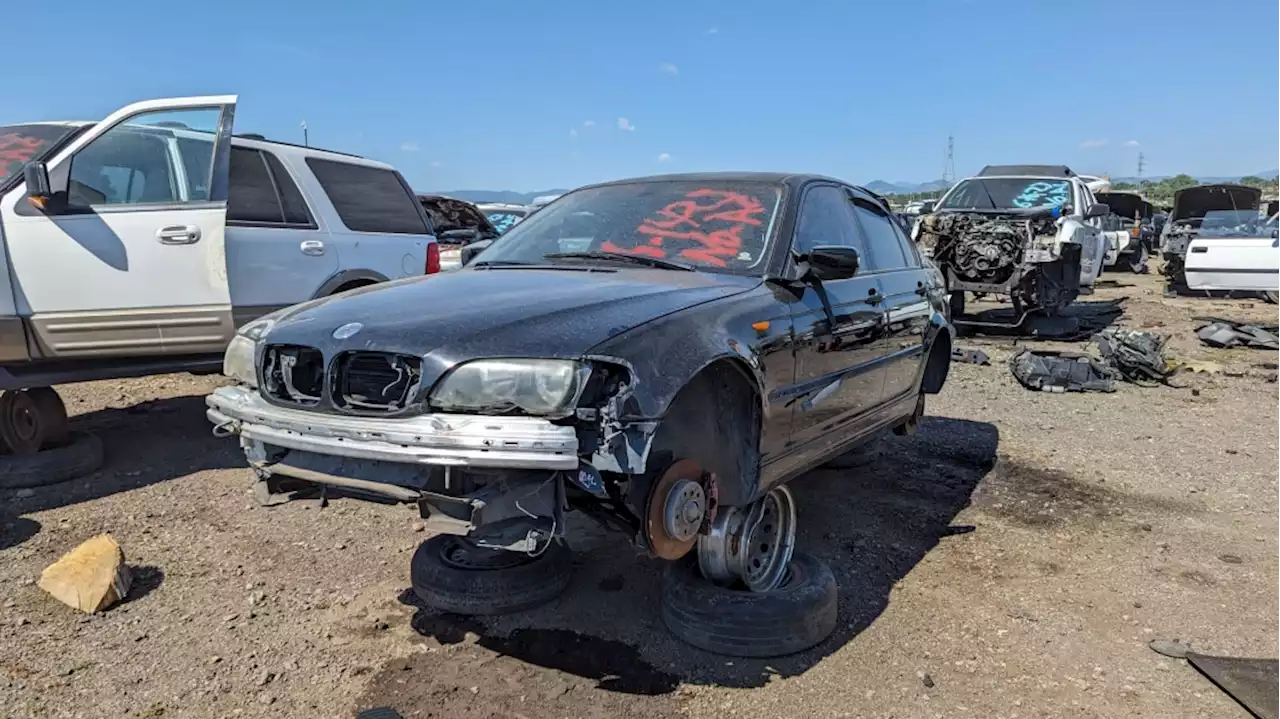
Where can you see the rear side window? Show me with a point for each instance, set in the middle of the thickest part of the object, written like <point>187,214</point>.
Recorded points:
<point>369,199</point>
<point>888,245</point>
<point>262,193</point>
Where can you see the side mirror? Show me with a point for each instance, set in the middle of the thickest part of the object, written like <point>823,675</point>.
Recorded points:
<point>1100,209</point>
<point>469,252</point>
<point>36,175</point>
<point>832,262</point>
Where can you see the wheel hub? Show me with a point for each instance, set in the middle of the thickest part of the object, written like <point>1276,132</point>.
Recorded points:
<point>677,507</point>
<point>751,544</point>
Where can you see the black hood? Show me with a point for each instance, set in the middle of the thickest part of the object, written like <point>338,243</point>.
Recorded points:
<point>1125,204</point>
<point>1197,201</point>
<point>499,312</point>
<point>448,213</point>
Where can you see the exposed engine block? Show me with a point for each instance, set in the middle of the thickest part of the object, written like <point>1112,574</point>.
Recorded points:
<point>977,248</point>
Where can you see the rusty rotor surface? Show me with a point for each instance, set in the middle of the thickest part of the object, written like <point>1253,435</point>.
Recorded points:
<point>661,543</point>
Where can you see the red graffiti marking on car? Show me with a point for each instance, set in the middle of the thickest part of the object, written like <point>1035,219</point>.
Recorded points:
<point>18,148</point>
<point>686,221</point>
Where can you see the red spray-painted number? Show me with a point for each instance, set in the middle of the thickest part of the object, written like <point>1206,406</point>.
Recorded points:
<point>691,221</point>
<point>16,148</point>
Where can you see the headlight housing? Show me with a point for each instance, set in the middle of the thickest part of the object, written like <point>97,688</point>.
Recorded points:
<point>542,387</point>
<point>239,363</point>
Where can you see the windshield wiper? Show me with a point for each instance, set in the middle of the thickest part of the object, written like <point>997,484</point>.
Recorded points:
<point>624,257</point>
<point>502,263</point>
<point>990,199</point>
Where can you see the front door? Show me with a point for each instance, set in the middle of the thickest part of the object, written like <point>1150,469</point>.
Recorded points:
<point>129,258</point>
<point>839,329</point>
<point>906,303</point>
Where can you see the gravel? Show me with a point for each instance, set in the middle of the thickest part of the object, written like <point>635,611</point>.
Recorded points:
<point>1012,559</point>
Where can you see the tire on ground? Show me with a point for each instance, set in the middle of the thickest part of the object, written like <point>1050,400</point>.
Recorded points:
<point>51,466</point>
<point>733,622</point>
<point>445,586</point>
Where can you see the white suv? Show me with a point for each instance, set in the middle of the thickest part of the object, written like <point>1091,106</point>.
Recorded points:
<point>138,244</point>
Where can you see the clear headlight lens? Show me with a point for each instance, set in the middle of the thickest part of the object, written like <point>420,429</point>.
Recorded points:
<point>238,363</point>
<point>535,386</point>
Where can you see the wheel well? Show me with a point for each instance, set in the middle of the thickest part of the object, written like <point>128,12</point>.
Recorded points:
<point>938,364</point>
<point>352,285</point>
<point>714,420</point>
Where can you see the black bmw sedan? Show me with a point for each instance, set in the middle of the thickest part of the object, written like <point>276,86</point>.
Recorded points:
<point>662,353</point>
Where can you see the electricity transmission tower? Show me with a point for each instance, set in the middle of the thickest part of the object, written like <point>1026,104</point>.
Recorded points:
<point>949,169</point>
<point>1141,162</point>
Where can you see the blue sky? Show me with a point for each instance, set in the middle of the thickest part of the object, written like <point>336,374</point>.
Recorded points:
<point>528,96</point>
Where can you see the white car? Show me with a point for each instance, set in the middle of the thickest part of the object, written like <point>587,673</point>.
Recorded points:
<point>1029,232</point>
<point>1235,251</point>
<point>503,215</point>
<point>138,244</point>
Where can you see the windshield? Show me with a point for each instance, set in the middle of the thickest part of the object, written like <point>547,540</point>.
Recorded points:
<point>504,220</point>
<point>717,226</point>
<point>1235,223</point>
<point>20,144</point>
<point>1007,193</point>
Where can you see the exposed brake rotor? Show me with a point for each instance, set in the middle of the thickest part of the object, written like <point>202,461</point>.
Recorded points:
<point>677,509</point>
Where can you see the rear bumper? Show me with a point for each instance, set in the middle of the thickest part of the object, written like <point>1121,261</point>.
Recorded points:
<point>445,440</point>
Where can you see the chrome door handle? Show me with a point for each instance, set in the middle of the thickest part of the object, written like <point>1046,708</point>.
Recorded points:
<point>312,247</point>
<point>178,235</point>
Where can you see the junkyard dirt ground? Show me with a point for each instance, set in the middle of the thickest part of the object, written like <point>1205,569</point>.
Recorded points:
<point>1010,560</point>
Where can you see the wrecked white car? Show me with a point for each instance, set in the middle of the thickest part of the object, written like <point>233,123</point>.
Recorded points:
<point>1032,233</point>
<point>1237,251</point>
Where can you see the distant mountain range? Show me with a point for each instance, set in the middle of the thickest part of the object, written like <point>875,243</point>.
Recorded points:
<point>507,196</point>
<point>878,186</point>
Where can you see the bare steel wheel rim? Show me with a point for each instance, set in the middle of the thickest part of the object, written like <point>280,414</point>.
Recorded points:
<point>460,554</point>
<point>21,424</point>
<point>753,544</point>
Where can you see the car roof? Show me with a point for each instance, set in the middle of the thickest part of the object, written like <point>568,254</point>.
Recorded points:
<point>1056,171</point>
<point>254,141</point>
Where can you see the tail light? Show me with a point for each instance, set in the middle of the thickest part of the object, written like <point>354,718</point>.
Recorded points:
<point>433,259</point>
<point>1135,231</point>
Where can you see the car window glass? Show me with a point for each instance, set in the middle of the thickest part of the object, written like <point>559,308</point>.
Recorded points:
<point>251,196</point>
<point>291,200</point>
<point>884,239</point>
<point>369,199</point>
<point>133,162</point>
<point>825,220</point>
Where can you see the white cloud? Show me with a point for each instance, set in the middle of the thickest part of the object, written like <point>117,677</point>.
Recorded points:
<point>669,68</point>
<point>437,163</point>
<point>1132,143</point>
<point>408,146</point>
<point>588,123</point>
<point>625,125</point>
<point>664,157</point>
<point>573,132</point>
<point>713,30</point>
<point>1088,144</point>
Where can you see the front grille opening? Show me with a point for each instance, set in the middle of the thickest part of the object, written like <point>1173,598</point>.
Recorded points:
<point>293,373</point>
<point>376,381</point>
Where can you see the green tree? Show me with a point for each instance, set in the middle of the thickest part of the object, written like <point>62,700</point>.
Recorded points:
<point>1254,181</point>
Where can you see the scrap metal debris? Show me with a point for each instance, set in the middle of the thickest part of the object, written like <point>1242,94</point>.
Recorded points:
<point>1138,357</point>
<point>1049,371</point>
<point>1254,683</point>
<point>1221,332</point>
<point>970,356</point>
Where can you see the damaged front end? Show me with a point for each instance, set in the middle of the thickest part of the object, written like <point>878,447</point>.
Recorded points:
<point>496,451</point>
<point>1015,255</point>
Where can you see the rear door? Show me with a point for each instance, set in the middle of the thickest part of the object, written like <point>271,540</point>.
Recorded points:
<point>902,284</point>
<point>277,253</point>
<point>838,342</point>
<point>1234,263</point>
<point>130,258</point>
